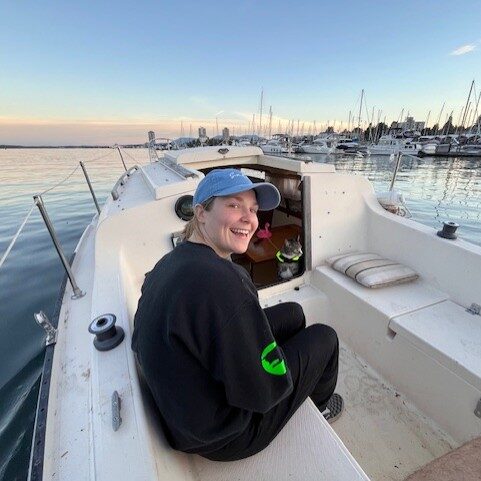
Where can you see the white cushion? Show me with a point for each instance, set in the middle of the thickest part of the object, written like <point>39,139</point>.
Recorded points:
<point>372,270</point>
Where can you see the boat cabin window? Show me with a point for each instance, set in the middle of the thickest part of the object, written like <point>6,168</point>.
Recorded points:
<point>276,252</point>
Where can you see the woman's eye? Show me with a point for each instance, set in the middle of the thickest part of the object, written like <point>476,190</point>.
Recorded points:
<point>235,206</point>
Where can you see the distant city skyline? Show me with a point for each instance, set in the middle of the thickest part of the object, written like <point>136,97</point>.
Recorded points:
<point>108,72</point>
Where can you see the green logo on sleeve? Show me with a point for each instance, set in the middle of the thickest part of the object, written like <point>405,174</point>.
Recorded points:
<point>275,367</point>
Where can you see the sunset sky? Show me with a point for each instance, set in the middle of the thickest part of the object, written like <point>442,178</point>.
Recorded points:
<point>106,72</point>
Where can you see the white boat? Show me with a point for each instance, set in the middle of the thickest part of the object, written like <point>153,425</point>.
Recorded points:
<point>388,145</point>
<point>317,146</point>
<point>410,369</point>
<point>274,146</point>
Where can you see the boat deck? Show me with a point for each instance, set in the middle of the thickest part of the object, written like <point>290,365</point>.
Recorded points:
<point>385,433</point>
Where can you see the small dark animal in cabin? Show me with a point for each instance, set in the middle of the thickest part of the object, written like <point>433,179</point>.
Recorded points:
<point>288,258</point>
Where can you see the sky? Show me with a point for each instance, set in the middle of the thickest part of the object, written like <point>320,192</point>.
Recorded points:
<point>104,72</point>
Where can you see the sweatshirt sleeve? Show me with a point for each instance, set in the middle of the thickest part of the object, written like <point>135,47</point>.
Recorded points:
<point>249,363</point>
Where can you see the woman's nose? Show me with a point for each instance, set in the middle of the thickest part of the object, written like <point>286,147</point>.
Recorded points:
<point>248,215</point>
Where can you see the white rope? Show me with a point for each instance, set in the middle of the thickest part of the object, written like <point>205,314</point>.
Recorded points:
<point>9,248</point>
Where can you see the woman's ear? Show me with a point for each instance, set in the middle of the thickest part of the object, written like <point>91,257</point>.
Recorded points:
<point>199,213</point>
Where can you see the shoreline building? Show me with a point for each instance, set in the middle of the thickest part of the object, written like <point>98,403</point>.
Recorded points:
<point>225,134</point>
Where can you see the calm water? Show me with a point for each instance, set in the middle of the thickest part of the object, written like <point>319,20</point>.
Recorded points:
<point>435,189</point>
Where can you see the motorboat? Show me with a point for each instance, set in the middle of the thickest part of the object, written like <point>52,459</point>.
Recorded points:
<point>410,370</point>
<point>317,146</point>
<point>274,146</point>
<point>388,145</point>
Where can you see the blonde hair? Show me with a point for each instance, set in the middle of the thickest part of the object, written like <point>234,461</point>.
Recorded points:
<point>193,224</point>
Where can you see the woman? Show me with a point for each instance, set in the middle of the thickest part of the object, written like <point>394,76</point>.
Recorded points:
<point>226,374</point>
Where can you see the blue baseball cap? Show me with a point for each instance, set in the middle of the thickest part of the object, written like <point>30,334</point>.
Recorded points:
<point>220,182</point>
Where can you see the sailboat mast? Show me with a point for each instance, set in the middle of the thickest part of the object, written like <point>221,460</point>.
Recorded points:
<point>427,121</point>
<point>360,109</point>
<point>270,121</point>
<point>260,118</point>
<point>467,101</point>
<point>439,119</point>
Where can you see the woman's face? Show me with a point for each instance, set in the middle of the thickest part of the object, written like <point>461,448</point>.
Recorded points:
<point>230,224</point>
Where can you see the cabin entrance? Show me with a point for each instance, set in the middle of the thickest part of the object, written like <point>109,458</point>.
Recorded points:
<point>276,252</point>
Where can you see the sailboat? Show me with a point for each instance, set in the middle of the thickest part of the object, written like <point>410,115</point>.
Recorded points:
<point>404,301</point>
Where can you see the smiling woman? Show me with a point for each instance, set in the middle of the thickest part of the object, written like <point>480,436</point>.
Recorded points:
<point>244,370</point>
<point>229,225</point>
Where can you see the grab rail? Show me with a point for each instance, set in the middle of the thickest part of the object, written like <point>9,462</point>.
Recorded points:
<point>121,181</point>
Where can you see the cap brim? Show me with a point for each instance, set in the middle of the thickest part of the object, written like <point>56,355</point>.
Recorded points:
<point>268,197</point>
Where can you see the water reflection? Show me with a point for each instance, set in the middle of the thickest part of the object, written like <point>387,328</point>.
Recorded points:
<point>436,189</point>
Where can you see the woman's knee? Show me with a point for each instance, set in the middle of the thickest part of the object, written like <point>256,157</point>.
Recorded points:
<point>297,312</point>
<point>325,335</point>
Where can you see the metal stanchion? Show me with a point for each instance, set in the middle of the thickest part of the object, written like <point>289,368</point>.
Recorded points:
<point>396,168</point>
<point>39,203</point>
<point>122,158</point>
<point>90,186</point>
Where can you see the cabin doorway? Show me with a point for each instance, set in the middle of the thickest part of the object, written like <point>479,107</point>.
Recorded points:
<point>276,252</point>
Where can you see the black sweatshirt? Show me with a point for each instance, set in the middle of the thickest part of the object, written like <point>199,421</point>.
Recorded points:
<point>206,348</point>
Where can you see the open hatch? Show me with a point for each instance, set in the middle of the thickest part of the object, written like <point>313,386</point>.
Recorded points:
<point>276,251</point>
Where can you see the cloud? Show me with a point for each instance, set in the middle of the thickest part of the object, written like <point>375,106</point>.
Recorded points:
<point>463,50</point>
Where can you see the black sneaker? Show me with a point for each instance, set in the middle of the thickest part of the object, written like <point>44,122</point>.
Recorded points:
<point>334,408</point>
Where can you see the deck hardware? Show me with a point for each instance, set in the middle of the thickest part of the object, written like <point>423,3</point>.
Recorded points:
<point>398,158</point>
<point>474,309</point>
<point>121,181</point>
<point>107,335</point>
<point>184,208</point>
<point>477,411</point>
<point>177,168</point>
<point>43,321</point>
<point>449,230</point>
<point>116,405</point>
<point>223,151</point>
<point>77,293</point>
<point>90,186</point>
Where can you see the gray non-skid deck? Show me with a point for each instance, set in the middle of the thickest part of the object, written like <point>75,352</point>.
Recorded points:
<point>384,432</point>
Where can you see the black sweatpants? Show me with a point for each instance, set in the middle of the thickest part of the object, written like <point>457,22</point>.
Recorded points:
<point>312,358</point>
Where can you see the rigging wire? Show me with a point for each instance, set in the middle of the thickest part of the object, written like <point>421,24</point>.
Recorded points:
<point>15,237</point>
<point>75,170</point>
<point>62,181</point>
<point>100,157</point>
<point>129,154</point>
